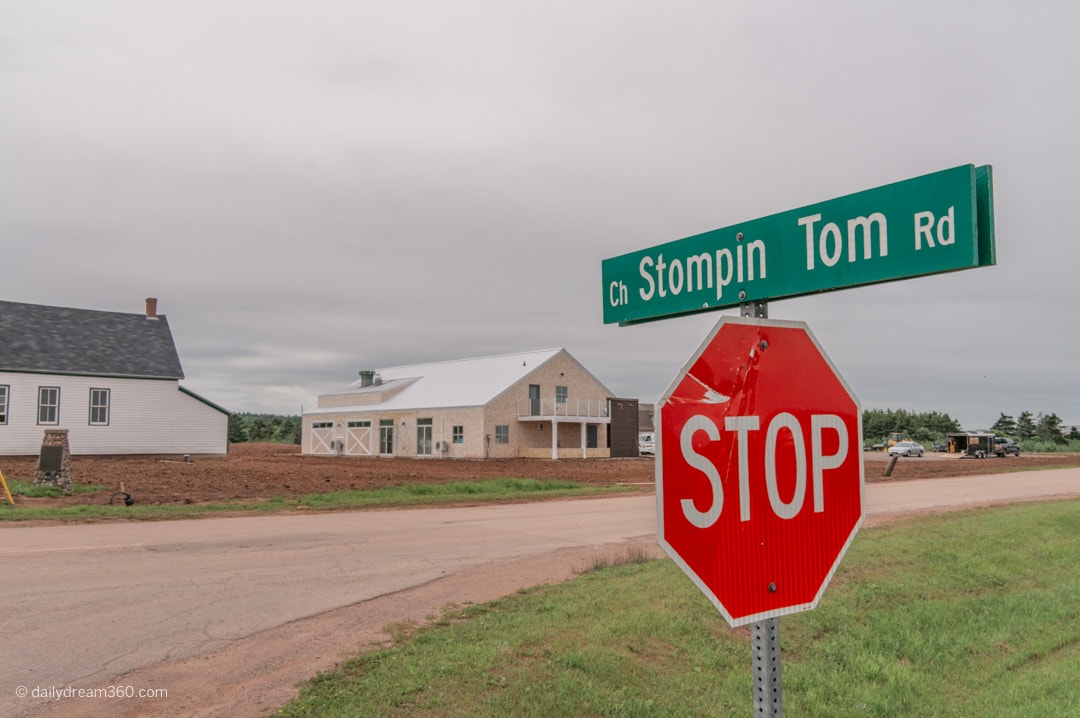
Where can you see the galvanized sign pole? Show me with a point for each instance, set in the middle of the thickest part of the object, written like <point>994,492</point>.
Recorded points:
<point>765,635</point>
<point>765,640</point>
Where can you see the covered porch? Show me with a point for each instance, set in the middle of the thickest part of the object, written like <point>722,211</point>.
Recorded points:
<point>589,414</point>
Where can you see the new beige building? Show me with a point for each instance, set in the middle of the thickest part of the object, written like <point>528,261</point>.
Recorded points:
<point>541,404</point>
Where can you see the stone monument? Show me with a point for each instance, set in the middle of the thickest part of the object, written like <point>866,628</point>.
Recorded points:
<point>54,464</point>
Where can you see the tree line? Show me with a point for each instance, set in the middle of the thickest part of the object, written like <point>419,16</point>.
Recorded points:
<point>263,428</point>
<point>924,427</point>
<point>1041,427</point>
<point>928,427</point>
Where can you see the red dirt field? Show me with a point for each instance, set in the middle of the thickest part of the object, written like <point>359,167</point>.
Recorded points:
<point>263,471</point>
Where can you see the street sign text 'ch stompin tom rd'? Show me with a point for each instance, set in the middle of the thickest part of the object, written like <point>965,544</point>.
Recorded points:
<point>940,222</point>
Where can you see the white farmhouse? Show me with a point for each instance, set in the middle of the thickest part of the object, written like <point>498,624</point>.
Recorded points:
<point>540,404</point>
<point>111,379</point>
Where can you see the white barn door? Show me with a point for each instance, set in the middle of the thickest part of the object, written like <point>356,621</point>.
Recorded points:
<point>359,439</point>
<point>322,437</point>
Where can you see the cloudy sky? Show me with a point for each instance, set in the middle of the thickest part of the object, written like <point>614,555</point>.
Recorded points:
<point>314,188</point>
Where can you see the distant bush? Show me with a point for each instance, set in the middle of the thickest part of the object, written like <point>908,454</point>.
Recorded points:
<point>1035,446</point>
<point>264,428</point>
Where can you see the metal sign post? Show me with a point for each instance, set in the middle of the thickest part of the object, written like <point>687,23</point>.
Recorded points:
<point>765,635</point>
<point>765,641</point>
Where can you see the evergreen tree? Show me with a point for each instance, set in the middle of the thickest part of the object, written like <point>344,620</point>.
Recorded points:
<point>1048,428</point>
<point>237,431</point>
<point>1025,425</point>
<point>257,432</point>
<point>1004,426</point>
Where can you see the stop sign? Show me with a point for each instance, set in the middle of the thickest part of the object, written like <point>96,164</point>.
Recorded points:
<point>759,471</point>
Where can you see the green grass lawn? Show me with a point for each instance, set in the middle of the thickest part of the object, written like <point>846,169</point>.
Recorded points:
<point>455,492</point>
<point>972,614</point>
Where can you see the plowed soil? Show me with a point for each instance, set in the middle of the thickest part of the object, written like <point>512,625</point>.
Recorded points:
<point>263,471</point>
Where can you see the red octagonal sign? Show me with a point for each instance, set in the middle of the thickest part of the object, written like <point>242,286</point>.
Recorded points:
<point>759,471</point>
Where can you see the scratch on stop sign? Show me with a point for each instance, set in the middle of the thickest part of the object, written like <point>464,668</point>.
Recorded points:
<point>712,396</point>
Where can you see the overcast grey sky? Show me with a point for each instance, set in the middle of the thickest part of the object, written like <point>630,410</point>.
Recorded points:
<point>314,188</point>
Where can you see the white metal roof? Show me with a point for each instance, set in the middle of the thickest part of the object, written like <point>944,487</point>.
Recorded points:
<point>448,384</point>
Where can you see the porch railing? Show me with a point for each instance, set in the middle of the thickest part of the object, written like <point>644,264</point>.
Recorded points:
<point>576,408</point>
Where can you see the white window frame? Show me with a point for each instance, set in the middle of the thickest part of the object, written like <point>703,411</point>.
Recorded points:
<point>425,429</point>
<point>48,405</point>
<point>458,435</point>
<point>99,406</point>
<point>386,437</point>
<point>502,433</point>
<point>5,395</point>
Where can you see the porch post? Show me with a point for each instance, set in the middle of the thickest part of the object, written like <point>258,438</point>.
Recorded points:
<point>554,436</point>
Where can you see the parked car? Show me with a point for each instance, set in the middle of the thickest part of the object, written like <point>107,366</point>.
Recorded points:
<point>646,443</point>
<point>907,448</point>
<point>940,446</point>
<point>1004,447</point>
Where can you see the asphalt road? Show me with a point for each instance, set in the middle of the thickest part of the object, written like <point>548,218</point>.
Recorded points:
<point>182,605</point>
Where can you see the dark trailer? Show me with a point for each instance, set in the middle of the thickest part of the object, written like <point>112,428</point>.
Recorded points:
<point>972,443</point>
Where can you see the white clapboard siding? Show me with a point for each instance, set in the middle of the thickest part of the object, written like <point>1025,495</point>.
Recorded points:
<point>146,416</point>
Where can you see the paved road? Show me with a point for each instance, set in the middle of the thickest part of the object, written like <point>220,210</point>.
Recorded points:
<point>181,605</point>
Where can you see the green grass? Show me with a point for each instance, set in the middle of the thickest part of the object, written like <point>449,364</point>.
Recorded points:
<point>974,614</point>
<point>458,492</point>
<point>29,489</point>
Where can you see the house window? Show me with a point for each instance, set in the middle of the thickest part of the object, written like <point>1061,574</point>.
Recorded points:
<point>560,395</point>
<point>48,405</point>
<point>3,404</point>
<point>386,437</point>
<point>359,424</point>
<point>322,425</point>
<point>459,435</point>
<point>99,407</point>
<point>502,434</point>
<point>423,437</point>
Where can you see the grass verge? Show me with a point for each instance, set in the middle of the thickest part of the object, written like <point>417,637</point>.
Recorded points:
<point>30,490</point>
<point>972,614</point>
<point>457,492</point>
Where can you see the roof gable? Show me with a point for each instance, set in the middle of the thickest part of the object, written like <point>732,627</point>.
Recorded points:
<point>457,383</point>
<point>59,340</point>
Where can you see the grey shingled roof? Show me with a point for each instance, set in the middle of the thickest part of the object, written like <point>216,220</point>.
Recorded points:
<point>36,338</point>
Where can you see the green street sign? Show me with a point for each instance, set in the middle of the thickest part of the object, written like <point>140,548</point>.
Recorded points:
<point>940,222</point>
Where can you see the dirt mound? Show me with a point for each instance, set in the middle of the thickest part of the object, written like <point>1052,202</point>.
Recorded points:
<point>263,471</point>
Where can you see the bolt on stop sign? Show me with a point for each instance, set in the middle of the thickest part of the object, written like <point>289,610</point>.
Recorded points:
<point>759,470</point>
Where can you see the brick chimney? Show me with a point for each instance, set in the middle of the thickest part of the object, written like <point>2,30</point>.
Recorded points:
<point>151,308</point>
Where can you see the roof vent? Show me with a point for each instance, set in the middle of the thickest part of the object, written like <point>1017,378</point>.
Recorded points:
<point>367,378</point>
